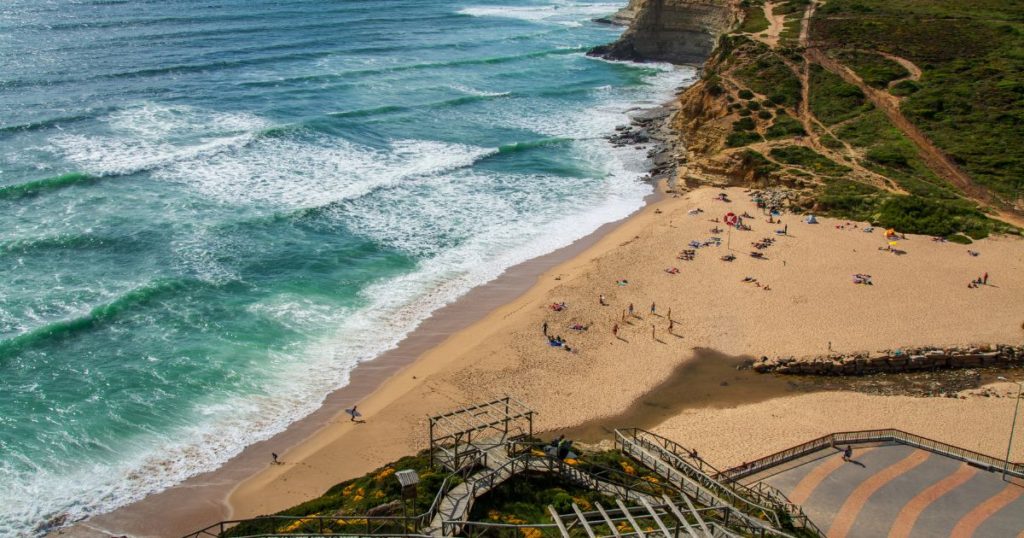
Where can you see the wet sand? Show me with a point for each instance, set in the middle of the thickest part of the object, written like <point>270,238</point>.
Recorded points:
<point>202,499</point>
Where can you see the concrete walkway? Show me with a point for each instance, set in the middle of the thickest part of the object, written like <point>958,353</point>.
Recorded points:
<point>902,492</point>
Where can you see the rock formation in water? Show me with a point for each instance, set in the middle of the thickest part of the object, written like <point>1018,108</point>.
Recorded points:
<point>677,31</point>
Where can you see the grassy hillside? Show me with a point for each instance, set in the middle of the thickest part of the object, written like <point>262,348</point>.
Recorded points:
<point>905,113</point>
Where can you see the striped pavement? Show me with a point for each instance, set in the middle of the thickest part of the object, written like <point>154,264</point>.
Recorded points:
<point>902,492</point>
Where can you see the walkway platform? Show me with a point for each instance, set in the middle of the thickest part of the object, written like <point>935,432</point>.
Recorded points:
<point>902,492</point>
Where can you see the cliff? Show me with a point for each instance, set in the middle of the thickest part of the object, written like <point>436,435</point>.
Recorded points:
<point>677,31</point>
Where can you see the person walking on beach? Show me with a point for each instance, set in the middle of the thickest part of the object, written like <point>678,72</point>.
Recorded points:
<point>273,456</point>
<point>353,413</point>
<point>848,453</point>
<point>630,309</point>
<point>615,330</point>
<point>671,325</point>
<point>545,328</point>
<point>984,278</point>
<point>601,301</point>
<point>652,309</point>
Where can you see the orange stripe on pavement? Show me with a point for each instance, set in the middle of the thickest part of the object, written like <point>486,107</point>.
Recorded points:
<point>907,517</point>
<point>803,490</point>
<point>851,508</point>
<point>970,523</point>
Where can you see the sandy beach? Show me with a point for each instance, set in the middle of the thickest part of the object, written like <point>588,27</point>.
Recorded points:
<point>917,298</point>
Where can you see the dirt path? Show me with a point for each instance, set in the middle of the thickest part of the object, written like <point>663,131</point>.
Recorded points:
<point>776,22</point>
<point>911,67</point>
<point>937,161</point>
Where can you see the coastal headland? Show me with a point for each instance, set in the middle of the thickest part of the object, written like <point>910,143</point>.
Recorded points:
<point>658,312</point>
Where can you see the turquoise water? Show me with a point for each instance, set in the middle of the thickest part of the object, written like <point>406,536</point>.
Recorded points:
<point>210,212</point>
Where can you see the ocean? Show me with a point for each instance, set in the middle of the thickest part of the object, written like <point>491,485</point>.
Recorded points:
<point>212,211</point>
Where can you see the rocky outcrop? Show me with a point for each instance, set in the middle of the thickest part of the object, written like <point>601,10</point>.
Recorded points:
<point>624,16</point>
<point>895,361</point>
<point>677,31</point>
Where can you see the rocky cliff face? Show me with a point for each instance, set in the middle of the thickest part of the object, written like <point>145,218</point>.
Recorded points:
<point>677,31</point>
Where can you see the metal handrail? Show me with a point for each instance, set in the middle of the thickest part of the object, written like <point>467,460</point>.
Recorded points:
<point>871,436</point>
<point>419,521</point>
<point>762,493</point>
<point>701,494</point>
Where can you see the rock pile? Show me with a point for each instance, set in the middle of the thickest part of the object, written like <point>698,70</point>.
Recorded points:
<point>893,361</point>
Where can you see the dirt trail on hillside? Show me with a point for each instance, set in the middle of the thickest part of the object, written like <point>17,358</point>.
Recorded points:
<point>933,157</point>
<point>776,22</point>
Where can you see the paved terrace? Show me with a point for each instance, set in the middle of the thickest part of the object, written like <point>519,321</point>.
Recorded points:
<point>902,492</point>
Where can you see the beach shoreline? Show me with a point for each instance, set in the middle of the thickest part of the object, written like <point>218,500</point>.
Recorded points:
<point>505,352</point>
<point>204,498</point>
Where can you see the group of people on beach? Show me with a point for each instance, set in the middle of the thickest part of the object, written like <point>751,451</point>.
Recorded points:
<point>980,281</point>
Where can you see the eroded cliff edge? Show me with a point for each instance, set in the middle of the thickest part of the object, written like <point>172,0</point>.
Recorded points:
<point>677,31</point>
<point>842,115</point>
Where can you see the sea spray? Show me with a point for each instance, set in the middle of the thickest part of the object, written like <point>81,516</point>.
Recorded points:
<point>197,211</point>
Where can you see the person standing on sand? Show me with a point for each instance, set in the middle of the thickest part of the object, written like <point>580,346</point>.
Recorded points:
<point>545,328</point>
<point>631,309</point>
<point>671,325</point>
<point>615,330</point>
<point>652,309</point>
<point>984,279</point>
<point>273,456</point>
<point>600,300</point>
<point>652,333</point>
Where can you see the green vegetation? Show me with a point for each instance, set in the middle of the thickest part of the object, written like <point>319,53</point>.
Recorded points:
<point>764,115</point>
<point>352,498</point>
<point>769,75</point>
<point>809,159</point>
<point>908,214</point>
<point>832,99</point>
<point>890,153</point>
<point>738,139</point>
<point>876,70</point>
<point>743,124</point>
<point>904,88</point>
<point>761,166</point>
<point>970,99</point>
<point>754,20</point>
<point>785,126</point>
<point>524,499</point>
<point>746,94</point>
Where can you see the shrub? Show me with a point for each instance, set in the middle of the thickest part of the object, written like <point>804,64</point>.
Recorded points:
<point>785,126</point>
<point>746,94</point>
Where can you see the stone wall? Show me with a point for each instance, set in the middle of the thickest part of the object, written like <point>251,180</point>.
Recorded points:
<point>892,361</point>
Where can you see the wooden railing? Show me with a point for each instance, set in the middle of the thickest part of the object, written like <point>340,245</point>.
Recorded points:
<point>838,440</point>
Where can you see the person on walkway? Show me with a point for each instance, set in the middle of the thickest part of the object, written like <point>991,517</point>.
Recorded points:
<point>545,328</point>
<point>848,453</point>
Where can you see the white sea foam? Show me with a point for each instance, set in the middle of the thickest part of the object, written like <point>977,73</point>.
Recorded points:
<point>292,173</point>
<point>571,14</point>
<point>150,136</point>
<point>418,196</point>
